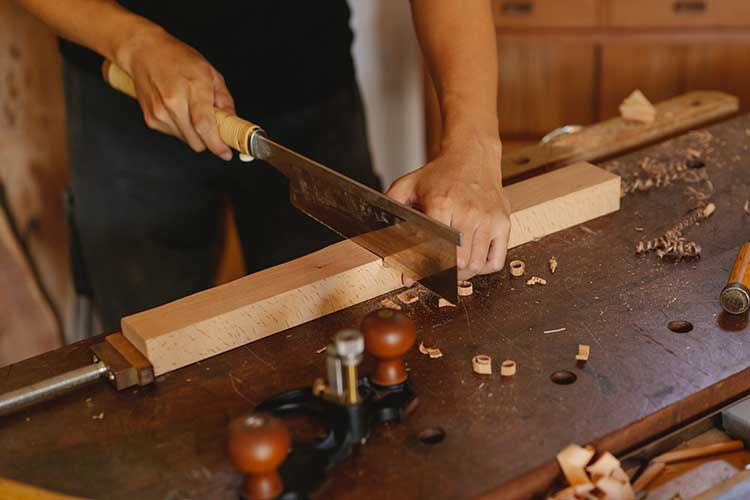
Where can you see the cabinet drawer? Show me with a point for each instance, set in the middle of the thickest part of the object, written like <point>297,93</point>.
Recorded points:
<point>677,13</point>
<point>546,13</point>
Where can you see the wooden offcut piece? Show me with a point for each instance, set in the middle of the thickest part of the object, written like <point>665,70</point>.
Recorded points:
<point>616,136</point>
<point>637,108</point>
<point>256,306</point>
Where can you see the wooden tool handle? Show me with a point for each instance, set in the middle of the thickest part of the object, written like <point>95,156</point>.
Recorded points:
<point>236,132</point>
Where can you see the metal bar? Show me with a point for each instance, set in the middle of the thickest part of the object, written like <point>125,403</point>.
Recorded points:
<point>46,389</point>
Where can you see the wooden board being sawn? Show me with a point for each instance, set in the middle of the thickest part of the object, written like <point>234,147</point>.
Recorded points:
<point>225,317</point>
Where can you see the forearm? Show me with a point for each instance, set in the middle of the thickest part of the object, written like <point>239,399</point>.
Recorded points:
<point>103,26</point>
<point>458,41</point>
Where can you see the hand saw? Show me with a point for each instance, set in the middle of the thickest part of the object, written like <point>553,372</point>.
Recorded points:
<point>418,246</point>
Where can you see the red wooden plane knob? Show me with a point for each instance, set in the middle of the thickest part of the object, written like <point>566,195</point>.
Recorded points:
<point>257,445</point>
<point>388,336</point>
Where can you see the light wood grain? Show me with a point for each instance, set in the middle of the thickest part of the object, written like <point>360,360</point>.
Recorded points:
<point>339,276</point>
<point>560,199</point>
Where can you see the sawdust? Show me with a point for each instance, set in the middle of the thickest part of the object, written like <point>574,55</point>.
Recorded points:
<point>672,243</point>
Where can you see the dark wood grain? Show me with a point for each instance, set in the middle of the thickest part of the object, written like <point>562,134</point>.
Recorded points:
<point>166,441</point>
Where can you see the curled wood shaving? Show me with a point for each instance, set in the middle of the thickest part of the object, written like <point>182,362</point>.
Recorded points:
<point>390,304</point>
<point>445,303</point>
<point>672,243</point>
<point>572,461</point>
<point>432,352</point>
<point>583,352</point>
<point>507,368</point>
<point>536,280</point>
<point>552,264</point>
<point>517,268</point>
<point>409,296</point>
<point>661,175</point>
<point>604,466</point>
<point>482,364</point>
<point>465,288</point>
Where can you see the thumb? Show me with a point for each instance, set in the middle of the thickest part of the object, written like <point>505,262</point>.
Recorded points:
<point>402,189</point>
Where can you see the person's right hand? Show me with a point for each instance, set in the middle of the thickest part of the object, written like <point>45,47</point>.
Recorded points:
<point>177,89</point>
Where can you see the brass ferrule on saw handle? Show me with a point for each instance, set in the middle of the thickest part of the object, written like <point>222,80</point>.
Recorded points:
<point>236,132</point>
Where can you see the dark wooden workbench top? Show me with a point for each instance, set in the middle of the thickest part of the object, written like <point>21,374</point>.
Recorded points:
<point>166,441</point>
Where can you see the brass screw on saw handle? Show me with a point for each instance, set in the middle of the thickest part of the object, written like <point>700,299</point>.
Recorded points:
<point>236,132</point>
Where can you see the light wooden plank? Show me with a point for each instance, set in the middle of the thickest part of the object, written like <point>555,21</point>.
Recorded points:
<point>341,275</point>
<point>560,199</point>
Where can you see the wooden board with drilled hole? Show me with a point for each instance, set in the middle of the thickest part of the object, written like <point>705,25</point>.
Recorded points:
<point>341,275</point>
<point>501,434</point>
<point>616,136</point>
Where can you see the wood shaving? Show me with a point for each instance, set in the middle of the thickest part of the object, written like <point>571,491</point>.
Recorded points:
<point>662,175</point>
<point>390,304</point>
<point>556,330</point>
<point>747,207</point>
<point>517,268</point>
<point>604,479</point>
<point>536,280</point>
<point>482,364</point>
<point>445,303</point>
<point>637,108</point>
<point>507,368</point>
<point>321,350</point>
<point>552,264</point>
<point>587,230</point>
<point>98,417</point>
<point>672,243</point>
<point>583,352</point>
<point>639,229</point>
<point>409,296</point>
<point>572,461</point>
<point>432,352</point>
<point>465,288</point>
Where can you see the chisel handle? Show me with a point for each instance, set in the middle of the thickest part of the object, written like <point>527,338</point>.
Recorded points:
<point>236,132</point>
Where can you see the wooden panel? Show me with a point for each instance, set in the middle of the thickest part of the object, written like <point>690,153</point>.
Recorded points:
<point>561,199</point>
<point>678,13</point>
<point>341,275</point>
<point>546,13</point>
<point>543,86</point>
<point>662,71</point>
<point>27,327</point>
<point>33,149</point>
<point>615,136</point>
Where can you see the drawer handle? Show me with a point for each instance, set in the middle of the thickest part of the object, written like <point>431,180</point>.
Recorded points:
<point>518,7</point>
<point>689,7</point>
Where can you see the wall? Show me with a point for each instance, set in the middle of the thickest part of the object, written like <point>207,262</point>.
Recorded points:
<point>389,69</point>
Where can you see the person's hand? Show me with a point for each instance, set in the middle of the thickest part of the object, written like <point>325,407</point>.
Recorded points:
<point>177,89</point>
<point>462,188</point>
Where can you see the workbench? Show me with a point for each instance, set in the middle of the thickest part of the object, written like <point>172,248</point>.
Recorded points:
<point>166,441</point>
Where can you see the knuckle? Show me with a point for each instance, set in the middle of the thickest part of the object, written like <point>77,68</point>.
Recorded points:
<point>203,126</point>
<point>151,121</point>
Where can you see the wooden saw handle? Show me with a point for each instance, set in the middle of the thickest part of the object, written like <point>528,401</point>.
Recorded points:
<point>236,132</point>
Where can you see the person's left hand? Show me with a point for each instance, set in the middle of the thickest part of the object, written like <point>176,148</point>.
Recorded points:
<point>462,188</point>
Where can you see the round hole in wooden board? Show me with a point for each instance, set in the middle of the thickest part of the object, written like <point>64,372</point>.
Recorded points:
<point>563,377</point>
<point>432,435</point>
<point>680,326</point>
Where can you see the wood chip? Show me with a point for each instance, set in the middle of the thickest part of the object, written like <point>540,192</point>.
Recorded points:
<point>639,229</point>
<point>583,352</point>
<point>517,268</point>
<point>508,368</point>
<point>97,417</point>
<point>409,296</point>
<point>604,466</point>
<point>445,303</point>
<point>390,304</point>
<point>572,461</point>
<point>465,288</point>
<point>552,264</point>
<point>322,349</point>
<point>637,108</point>
<point>614,489</point>
<point>556,330</point>
<point>432,352</point>
<point>482,364</point>
<point>747,207</point>
<point>587,230</point>
<point>536,280</point>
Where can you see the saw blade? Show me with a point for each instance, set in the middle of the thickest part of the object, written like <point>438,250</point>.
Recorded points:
<point>406,239</point>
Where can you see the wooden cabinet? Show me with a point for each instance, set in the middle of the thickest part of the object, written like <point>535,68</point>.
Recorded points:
<point>573,61</point>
